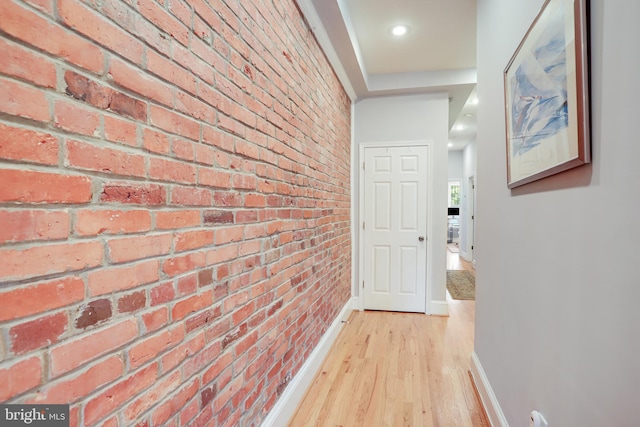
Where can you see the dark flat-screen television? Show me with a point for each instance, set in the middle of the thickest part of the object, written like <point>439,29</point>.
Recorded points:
<point>453,211</point>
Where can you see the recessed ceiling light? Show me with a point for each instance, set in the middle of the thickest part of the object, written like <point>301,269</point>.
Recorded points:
<point>468,115</point>
<point>399,30</point>
<point>474,101</point>
<point>450,144</point>
<point>460,127</point>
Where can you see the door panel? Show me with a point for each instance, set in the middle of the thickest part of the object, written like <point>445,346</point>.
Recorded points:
<point>395,217</point>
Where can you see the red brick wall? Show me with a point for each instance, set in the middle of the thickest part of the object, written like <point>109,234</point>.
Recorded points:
<point>174,207</point>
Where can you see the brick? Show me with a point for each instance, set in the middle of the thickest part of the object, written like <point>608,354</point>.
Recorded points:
<point>117,279</point>
<point>77,119</point>
<point>45,6</point>
<point>182,264</point>
<point>29,27</point>
<point>193,240</point>
<point>247,216</point>
<point>170,71</point>
<point>156,142</point>
<point>217,138</point>
<point>181,10</point>
<point>40,187</point>
<point>26,65</point>
<point>155,319</point>
<point>162,293</point>
<point>191,106</point>
<point>207,395</point>
<point>187,285</point>
<point>18,99</point>
<point>243,313</point>
<point>191,62</point>
<point>137,81</point>
<point>37,261</point>
<point>151,347</point>
<point>94,312</point>
<point>132,302</point>
<point>227,198</point>
<point>214,98</point>
<point>214,178</point>
<point>183,149</point>
<point>128,107</point>
<point>219,255</point>
<point>162,19</point>
<point>189,196</point>
<point>247,343</point>
<point>190,305</point>
<point>229,234</point>
<point>178,354</point>
<point>94,222</point>
<point>110,399</point>
<point>174,404</point>
<point>172,171</point>
<point>72,354</point>
<point>19,377</point>
<point>204,155</point>
<point>138,194</point>
<point>134,248</point>
<point>174,123</point>
<point>70,390</point>
<point>40,297</point>
<point>32,225</point>
<point>27,145</point>
<point>177,219</point>
<point>205,277</point>
<point>84,89</point>
<point>202,319</point>
<point>255,200</point>
<point>121,131</point>
<point>218,217</point>
<point>129,20</point>
<point>105,160</point>
<point>153,395</point>
<point>189,411</point>
<point>244,182</point>
<point>80,18</point>
<point>37,333</point>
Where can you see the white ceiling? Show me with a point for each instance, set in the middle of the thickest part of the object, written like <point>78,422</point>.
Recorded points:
<point>437,55</point>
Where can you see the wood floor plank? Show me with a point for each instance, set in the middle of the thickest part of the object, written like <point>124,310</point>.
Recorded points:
<point>398,369</point>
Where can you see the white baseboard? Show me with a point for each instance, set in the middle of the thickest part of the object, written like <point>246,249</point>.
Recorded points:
<point>438,308</point>
<point>489,400</point>
<point>287,404</point>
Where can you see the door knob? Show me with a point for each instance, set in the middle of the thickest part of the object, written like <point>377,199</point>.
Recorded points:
<point>421,238</point>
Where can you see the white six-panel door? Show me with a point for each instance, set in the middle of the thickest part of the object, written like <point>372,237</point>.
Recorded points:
<point>395,225</point>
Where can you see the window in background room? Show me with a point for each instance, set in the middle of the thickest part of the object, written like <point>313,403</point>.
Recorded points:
<point>454,193</point>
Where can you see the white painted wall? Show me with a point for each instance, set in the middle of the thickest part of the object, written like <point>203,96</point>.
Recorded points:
<point>413,118</point>
<point>455,165</point>
<point>558,283</point>
<point>469,168</point>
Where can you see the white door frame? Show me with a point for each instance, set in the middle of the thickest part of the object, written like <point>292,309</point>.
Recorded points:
<point>430,234</point>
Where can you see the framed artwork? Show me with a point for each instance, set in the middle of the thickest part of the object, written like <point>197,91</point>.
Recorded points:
<point>547,95</point>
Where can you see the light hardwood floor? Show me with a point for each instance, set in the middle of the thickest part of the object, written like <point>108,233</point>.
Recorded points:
<point>398,369</point>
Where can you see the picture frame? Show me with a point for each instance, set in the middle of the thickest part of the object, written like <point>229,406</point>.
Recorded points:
<point>547,95</point>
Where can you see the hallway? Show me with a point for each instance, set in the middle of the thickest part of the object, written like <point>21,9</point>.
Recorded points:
<point>392,369</point>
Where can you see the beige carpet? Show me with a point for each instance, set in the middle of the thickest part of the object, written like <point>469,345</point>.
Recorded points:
<point>461,284</point>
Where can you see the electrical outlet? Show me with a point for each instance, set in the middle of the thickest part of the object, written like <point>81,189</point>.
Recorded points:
<point>537,420</point>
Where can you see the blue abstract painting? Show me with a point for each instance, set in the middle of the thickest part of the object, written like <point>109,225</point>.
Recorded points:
<point>539,105</point>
